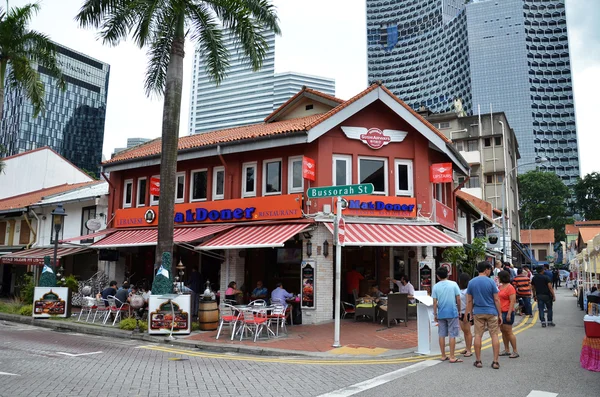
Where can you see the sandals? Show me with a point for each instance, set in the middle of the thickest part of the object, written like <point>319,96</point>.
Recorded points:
<point>477,364</point>
<point>467,354</point>
<point>496,365</point>
<point>445,358</point>
<point>514,355</point>
<point>504,354</point>
<point>458,360</point>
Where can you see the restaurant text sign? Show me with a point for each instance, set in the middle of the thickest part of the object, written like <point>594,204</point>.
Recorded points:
<point>308,168</point>
<point>396,207</point>
<point>440,173</point>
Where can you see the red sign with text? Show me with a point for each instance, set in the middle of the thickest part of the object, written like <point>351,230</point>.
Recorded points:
<point>308,168</point>
<point>155,186</point>
<point>392,207</point>
<point>444,215</point>
<point>440,173</point>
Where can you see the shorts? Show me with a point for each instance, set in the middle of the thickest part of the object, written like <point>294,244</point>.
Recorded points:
<point>509,321</point>
<point>448,327</point>
<point>483,320</point>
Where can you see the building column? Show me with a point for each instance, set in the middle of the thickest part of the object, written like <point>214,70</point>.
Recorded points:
<point>324,278</point>
<point>232,269</point>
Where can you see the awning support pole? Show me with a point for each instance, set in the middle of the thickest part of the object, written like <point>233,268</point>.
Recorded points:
<point>338,271</point>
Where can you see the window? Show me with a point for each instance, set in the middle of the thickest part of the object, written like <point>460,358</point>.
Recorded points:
<point>272,177</point>
<point>373,170</point>
<point>3,233</point>
<point>404,178</point>
<point>198,190</point>
<point>24,233</point>
<point>218,183</point>
<point>489,179</point>
<point>543,255</point>
<point>180,188</point>
<point>87,213</point>
<point>498,141</point>
<point>127,193</point>
<point>342,170</point>
<point>249,180</point>
<point>473,182</point>
<point>487,142</point>
<point>62,228</point>
<point>459,146</point>
<point>295,180</point>
<point>472,146</point>
<point>154,199</point>
<point>141,192</point>
<point>499,178</point>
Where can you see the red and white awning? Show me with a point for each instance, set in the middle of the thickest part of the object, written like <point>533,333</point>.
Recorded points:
<point>255,236</point>
<point>370,234</point>
<point>99,233</point>
<point>148,237</point>
<point>36,256</point>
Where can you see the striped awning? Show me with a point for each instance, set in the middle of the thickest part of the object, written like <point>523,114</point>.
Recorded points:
<point>99,233</point>
<point>148,237</point>
<point>255,236</point>
<point>370,234</point>
<point>36,256</point>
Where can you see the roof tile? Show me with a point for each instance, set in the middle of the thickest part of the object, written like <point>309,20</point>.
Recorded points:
<point>26,199</point>
<point>538,236</point>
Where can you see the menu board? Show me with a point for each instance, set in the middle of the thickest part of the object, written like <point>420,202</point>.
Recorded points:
<point>308,284</point>
<point>162,315</point>
<point>50,302</point>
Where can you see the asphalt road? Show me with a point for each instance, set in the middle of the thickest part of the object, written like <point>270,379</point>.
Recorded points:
<point>39,362</point>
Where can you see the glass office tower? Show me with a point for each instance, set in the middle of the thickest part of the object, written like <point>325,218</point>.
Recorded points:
<point>73,123</point>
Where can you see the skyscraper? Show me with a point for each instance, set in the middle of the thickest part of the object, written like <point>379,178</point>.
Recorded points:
<point>289,84</point>
<point>73,123</point>
<point>508,56</point>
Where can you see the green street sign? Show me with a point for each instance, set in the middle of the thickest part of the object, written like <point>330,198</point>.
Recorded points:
<point>344,190</point>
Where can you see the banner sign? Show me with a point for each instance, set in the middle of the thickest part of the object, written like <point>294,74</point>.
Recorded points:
<point>444,215</point>
<point>164,314</point>
<point>396,207</point>
<point>308,284</point>
<point>50,302</point>
<point>308,168</point>
<point>155,186</point>
<point>440,173</point>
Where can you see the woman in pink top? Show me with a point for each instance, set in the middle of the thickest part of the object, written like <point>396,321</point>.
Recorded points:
<point>508,298</point>
<point>232,291</point>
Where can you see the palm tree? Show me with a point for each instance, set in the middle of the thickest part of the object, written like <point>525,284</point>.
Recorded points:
<point>162,26</point>
<point>25,50</point>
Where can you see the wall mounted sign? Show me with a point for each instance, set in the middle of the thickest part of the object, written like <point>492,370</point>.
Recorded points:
<point>50,302</point>
<point>444,215</point>
<point>161,315</point>
<point>440,173</point>
<point>374,137</point>
<point>396,207</point>
<point>493,237</point>
<point>93,224</point>
<point>249,209</point>
<point>448,267</point>
<point>308,284</point>
<point>309,168</point>
<point>479,229</point>
<point>155,186</point>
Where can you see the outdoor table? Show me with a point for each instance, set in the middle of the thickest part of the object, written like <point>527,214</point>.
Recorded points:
<point>256,309</point>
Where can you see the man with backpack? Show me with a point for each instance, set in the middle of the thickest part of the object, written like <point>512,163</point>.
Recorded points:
<point>523,286</point>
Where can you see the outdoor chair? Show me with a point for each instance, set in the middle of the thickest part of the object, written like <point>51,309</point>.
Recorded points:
<point>288,309</point>
<point>88,306</point>
<point>252,322</point>
<point>258,302</point>
<point>364,308</point>
<point>116,307</point>
<point>229,317</point>
<point>278,316</point>
<point>397,309</point>
<point>347,309</point>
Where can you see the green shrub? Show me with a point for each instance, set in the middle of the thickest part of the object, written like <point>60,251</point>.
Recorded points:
<point>70,282</point>
<point>129,324</point>
<point>195,326</point>
<point>27,288</point>
<point>12,306</point>
<point>26,310</point>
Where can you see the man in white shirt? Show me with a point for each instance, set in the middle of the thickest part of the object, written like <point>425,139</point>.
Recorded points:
<point>405,287</point>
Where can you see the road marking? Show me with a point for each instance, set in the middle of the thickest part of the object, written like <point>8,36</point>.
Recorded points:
<point>380,380</point>
<point>9,374</point>
<point>78,355</point>
<point>539,393</point>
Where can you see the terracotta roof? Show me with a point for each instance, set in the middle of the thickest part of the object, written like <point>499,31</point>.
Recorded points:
<point>26,199</point>
<point>53,151</point>
<point>571,229</point>
<point>300,93</point>
<point>484,206</point>
<point>538,236</point>
<point>587,223</point>
<point>588,233</point>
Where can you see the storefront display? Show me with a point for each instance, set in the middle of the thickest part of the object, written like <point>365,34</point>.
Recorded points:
<point>50,302</point>
<point>308,285</point>
<point>425,268</point>
<point>166,311</point>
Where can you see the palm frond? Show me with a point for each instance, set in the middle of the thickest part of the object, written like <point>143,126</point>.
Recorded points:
<point>22,74</point>
<point>23,14</point>
<point>264,14</point>
<point>118,23</point>
<point>41,50</point>
<point>159,53</point>
<point>93,12</point>
<point>148,11</point>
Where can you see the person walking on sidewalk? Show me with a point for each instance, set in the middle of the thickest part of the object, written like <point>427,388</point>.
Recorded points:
<point>446,306</point>
<point>523,286</point>
<point>465,323</point>
<point>508,299</point>
<point>483,301</point>
<point>543,294</point>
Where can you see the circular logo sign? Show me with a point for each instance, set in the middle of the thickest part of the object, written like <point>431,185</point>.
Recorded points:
<point>375,139</point>
<point>93,224</point>
<point>149,216</point>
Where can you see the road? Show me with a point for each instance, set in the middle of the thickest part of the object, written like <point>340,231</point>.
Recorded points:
<point>39,362</point>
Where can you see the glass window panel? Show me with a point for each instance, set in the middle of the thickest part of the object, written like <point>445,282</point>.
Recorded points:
<point>141,193</point>
<point>180,187</point>
<point>373,171</point>
<point>199,185</point>
<point>341,175</point>
<point>402,176</point>
<point>297,174</point>
<point>250,179</point>
<point>220,183</point>
<point>273,177</point>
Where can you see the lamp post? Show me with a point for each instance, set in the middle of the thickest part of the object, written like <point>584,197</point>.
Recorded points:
<point>530,226</point>
<point>58,214</point>
<point>538,160</point>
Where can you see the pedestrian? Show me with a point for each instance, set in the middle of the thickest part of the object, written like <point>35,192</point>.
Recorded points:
<point>497,269</point>
<point>548,272</point>
<point>446,306</point>
<point>522,284</point>
<point>555,278</point>
<point>353,278</point>
<point>508,299</point>
<point>195,284</point>
<point>543,294</point>
<point>465,323</point>
<point>483,302</point>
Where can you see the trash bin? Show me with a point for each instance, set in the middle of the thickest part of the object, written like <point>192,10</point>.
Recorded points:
<point>208,315</point>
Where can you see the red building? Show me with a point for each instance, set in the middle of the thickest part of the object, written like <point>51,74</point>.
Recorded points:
<point>242,212</point>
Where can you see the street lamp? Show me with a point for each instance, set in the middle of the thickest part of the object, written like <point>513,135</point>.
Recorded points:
<point>548,217</point>
<point>57,220</point>
<point>538,160</point>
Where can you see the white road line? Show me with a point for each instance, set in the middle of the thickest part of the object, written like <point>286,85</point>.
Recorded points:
<point>9,374</point>
<point>380,380</point>
<point>78,355</point>
<point>539,393</point>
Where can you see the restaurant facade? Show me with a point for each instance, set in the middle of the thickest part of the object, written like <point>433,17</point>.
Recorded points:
<point>242,212</point>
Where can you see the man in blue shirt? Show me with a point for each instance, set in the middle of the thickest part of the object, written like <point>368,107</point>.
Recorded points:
<point>446,306</point>
<point>279,295</point>
<point>260,292</point>
<point>483,302</point>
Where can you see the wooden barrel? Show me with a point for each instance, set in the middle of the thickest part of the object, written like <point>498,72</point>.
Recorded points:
<point>208,315</point>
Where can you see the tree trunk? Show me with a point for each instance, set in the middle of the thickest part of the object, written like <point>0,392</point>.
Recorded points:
<point>170,139</point>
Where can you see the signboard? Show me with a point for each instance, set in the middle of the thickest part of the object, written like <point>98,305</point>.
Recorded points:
<point>308,285</point>
<point>341,231</point>
<point>479,229</point>
<point>374,137</point>
<point>493,237</point>
<point>440,173</point>
<point>444,215</point>
<point>50,302</point>
<point>248,209</point>
<point>342,190</point>
<point>396,207</point>
<point>93,224</point>
<point>448,267</point>
<point>161,315</point>
<point>308,168</point>
<point>155,186</point>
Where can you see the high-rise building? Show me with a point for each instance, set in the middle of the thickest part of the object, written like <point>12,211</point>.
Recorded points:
<point>73,122</point>
<point>508,56</point>
<point>131,142</point>
<point>244,96</point>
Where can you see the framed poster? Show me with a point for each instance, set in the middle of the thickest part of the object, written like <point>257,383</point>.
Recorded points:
<point>164,312</point>
<point>51,302</point>
<point>308,284</point>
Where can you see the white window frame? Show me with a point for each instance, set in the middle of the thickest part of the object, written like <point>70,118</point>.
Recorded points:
<point>291,188</point>
<point>264,177</point>
<point>125,203</point>
<point>348,159</point>
<point>153,200</point>
<point>216,196</point>
<point>385,173</point>
<point>177,199</point>
<point>137,192</point>
<point>192,172</point>
<point>245,166</point>
<point>411,176</point>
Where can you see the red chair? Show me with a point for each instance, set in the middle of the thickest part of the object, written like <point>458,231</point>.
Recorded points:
<point>348,309</point>
<point>116,307</point>
<point>252,322</point>
<point>229,316</point>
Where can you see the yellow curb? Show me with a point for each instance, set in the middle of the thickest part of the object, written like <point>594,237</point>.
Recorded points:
<point>357,351</point>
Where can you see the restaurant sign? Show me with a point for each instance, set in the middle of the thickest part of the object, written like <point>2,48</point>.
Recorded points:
<point>395,207</point>
<point>308,168</point>
<point>249,209</point>
<point>444,215</point>
<point>374,137</point>
<point>440,173</point>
